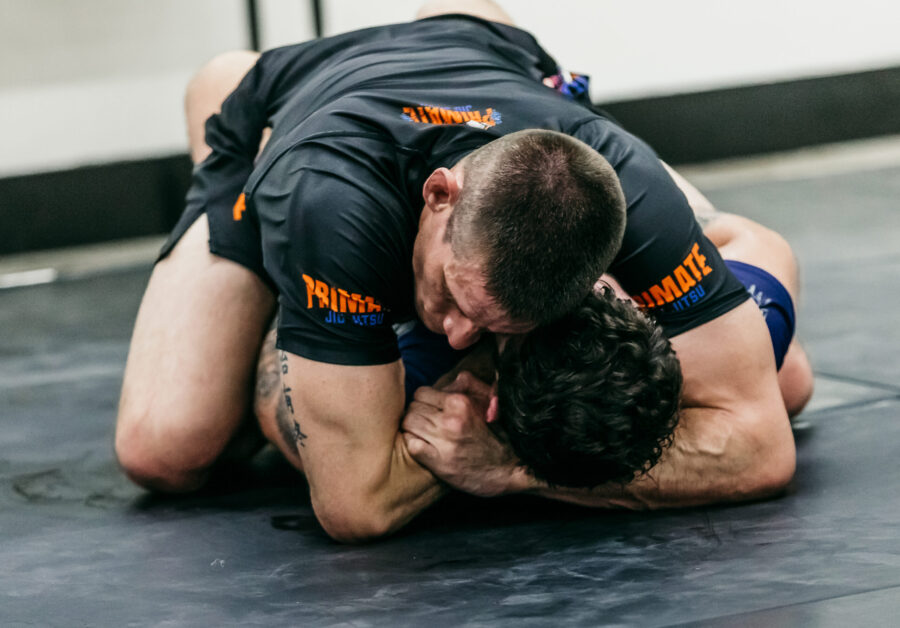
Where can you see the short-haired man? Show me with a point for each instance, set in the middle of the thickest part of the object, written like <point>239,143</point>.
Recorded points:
<point>328,219</point>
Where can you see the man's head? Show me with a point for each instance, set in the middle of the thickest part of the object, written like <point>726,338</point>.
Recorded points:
<point>591,398</point>
<point>515,235</point>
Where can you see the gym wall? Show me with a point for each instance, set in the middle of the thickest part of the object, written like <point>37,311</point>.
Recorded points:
<point>93,142</point>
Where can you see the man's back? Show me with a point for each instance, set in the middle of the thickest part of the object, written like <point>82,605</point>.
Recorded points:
<point>359,122</point>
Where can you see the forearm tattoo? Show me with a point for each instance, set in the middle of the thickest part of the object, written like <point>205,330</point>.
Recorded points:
<point>287,421</point>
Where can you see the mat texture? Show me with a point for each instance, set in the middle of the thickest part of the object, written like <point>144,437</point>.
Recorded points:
<point>80,546</point>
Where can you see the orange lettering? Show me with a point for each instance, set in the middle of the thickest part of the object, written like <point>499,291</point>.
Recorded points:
<point>412,114</point>
<point>488,118</point>
<point>701,259</point>
<point>667,292</point>
<point>372,306</point>
<point>446,116</point>
<point>310,290</point>
<point>648,300</point>
<point>322,292</point>
<point>689,263</point>
<point>685,282</point>
<point>434,115</point>
<point>334,300</point>
<point>239,207</point>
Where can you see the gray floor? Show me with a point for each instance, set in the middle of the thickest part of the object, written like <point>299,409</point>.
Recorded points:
<point>79,546</point>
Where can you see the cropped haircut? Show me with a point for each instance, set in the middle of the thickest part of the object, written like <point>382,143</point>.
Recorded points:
<point>592,398</point>
<point>544,215</point>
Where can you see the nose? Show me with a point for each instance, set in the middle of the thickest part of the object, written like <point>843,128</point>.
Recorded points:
<point>460,331</point>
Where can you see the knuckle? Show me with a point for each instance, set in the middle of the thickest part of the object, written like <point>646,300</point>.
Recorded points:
<point>457,403</point>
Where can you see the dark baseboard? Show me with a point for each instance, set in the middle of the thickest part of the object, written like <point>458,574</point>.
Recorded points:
<point>136,198</point>
<point>92,204</point>
<point>704,126</point>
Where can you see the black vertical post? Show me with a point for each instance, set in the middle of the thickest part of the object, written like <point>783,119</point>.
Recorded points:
<point>317,17</point>
<point>253,23</point>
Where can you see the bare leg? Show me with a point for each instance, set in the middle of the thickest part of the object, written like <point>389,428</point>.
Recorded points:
<point>190,368</point>
<point>189,378</point>
<point>206,92</point>
<point>485,9</point>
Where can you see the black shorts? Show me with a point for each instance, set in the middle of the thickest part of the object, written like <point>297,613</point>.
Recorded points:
<point>231,239</point>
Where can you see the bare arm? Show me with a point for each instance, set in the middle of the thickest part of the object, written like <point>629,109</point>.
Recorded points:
<point>363,482</point>
<point>733,441</point>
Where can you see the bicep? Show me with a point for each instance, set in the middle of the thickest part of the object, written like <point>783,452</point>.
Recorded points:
<point>345,418</point>
<point>729,370</point>
<point>732,409</point>
<point>727,360</point>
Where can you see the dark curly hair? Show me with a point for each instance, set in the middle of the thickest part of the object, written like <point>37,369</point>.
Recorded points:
<point>591,398</point>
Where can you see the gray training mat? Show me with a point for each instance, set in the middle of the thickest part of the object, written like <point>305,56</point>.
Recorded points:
<point>80,546</point>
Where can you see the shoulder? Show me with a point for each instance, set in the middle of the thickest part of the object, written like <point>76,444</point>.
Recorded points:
<point>337,218</point>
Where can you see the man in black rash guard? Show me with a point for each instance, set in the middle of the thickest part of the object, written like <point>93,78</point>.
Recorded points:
<point>328,217</point>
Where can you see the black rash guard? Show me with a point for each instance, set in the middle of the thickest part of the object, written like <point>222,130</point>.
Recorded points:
<point>359,121</point>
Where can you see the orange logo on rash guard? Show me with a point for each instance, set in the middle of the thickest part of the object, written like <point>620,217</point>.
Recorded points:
<point>428,114</point>
<point>681,287</point>
<point>320,295</point>
<point>240,207</point>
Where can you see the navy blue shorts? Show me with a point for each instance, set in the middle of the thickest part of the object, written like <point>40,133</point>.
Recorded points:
<point>774,302</point>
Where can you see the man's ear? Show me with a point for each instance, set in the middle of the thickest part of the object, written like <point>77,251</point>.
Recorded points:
<point>493,408</point>
<point>441,190</point>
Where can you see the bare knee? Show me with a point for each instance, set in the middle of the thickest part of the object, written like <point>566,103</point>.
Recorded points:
<point>796,380</point>
<point>206,91</point>
<point>150,463</point>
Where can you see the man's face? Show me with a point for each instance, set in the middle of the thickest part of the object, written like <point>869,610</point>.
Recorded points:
<point>450,294</point>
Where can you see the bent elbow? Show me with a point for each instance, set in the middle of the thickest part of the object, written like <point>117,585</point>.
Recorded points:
<point>773,475</point>
<point>781,472</point>
<point>352,525</point>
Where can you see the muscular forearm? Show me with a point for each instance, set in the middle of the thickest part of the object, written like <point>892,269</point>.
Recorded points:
<point>356,503</point>
<point>715,457</point>
<point>407,490</point>
<point>374,487</point>
<point>363,482</point>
